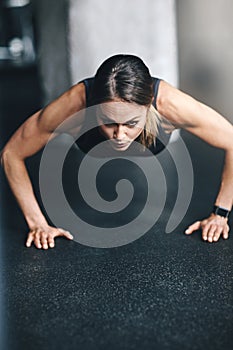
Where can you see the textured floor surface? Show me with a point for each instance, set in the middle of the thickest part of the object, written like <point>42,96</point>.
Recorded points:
<point>164,291</point>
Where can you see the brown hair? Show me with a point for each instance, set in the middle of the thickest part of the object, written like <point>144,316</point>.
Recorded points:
<point>126,77</point>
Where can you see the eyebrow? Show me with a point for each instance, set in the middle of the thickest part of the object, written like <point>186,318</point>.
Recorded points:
<point>111,120</point>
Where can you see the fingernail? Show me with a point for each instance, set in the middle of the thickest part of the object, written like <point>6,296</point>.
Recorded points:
<point>186,231</point>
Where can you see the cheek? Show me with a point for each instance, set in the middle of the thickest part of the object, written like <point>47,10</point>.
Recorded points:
<point>134,133</point>
<point>106,131</point>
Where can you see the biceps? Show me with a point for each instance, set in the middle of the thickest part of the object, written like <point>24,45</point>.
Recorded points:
<point>28,139</point>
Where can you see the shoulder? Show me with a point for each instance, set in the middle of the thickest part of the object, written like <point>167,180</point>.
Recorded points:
<point>156,82</point>
<point>175,105</point>
<point>87,86</point>
<point>77,95</point>
<point>66,105</point>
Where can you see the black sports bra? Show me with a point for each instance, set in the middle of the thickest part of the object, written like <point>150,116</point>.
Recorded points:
<point>89,139</point>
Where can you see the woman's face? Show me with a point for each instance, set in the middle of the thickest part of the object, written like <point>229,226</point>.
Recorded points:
<point>121,122</point>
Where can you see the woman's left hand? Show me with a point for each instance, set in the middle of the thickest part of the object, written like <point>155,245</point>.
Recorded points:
<point>212,228</point>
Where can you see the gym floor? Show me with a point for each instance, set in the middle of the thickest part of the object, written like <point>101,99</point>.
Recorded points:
<point>164,291</point>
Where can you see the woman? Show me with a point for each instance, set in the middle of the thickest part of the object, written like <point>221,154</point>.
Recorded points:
<point>126,81</point>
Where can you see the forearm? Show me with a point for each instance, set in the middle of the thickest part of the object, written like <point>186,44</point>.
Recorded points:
<point>21,187</point>
<point>225,195</point>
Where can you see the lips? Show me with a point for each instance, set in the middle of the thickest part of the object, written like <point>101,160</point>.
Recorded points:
<point>119,144</point>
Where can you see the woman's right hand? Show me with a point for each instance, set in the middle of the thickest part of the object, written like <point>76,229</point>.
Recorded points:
<point>43,236</point>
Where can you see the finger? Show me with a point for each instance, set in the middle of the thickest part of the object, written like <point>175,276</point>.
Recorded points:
<point>205,232</point>
<point>51,242</point>
<point>211,233</point>
<point>193,227</point>
<point>29,240</point>
<point>217,234</point>
<point>64,233</point>
<point>37,241</point>
<point>44,242</point>
<point>225,232</point>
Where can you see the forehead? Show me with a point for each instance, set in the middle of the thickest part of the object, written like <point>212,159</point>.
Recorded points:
<point>120,111</point>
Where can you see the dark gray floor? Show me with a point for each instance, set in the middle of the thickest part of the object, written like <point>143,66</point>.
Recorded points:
<point>163,291</point>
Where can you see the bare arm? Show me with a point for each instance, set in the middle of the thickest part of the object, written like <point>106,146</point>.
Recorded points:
<point>204,122</point>
<point>31,136</point>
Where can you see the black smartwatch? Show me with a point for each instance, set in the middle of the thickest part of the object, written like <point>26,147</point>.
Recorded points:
<point>221,211</point>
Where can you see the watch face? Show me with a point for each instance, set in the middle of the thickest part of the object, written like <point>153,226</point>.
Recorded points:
<point>221,211</point>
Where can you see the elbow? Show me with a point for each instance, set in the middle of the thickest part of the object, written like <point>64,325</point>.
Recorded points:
<point>6,157</point>
<point>2,157</point>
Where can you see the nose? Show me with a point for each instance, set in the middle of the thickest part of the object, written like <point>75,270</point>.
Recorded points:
<point>119,132</point>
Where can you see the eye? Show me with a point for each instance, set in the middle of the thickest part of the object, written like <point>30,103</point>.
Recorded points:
<point>107,122</point>
<point>131,124</point>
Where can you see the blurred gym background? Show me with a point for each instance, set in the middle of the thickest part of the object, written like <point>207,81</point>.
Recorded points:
<point>188,43</point>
